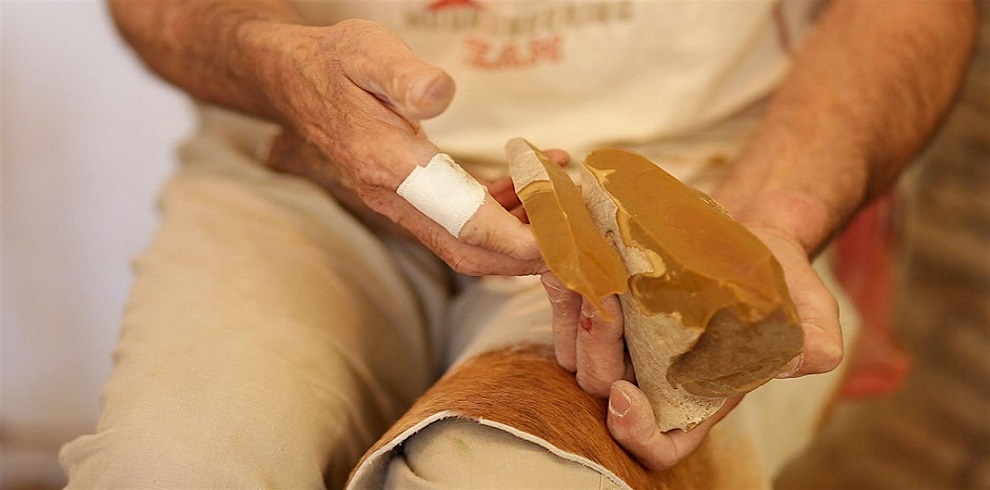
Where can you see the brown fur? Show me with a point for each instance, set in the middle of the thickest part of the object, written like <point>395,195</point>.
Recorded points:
<point>524,388</point>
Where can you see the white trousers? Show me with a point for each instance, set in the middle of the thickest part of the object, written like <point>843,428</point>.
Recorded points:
<point>270,339</point>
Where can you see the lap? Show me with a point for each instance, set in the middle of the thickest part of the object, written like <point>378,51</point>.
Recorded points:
<point>456,453</point>
<point>520,419</point>
<point>268,338</point>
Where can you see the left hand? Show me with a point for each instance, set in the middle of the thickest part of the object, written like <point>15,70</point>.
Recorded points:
<point>593,348</point>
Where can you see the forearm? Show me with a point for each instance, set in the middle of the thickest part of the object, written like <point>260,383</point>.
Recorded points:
<point>207,48</point>
<point>865,93</point>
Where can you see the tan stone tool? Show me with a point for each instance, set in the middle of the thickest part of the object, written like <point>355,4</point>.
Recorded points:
<point>706,309</point>
<point>569,239</point>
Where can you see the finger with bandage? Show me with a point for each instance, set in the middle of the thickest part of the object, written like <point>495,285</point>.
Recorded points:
<point>357,133</point>
<point>446,194</point>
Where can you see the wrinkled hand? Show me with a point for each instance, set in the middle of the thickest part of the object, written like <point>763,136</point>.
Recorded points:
<point>794,227</point>
<point>292,154</point>
<point>590,345</point>
<point>817,308</point>
<point>351,97</point>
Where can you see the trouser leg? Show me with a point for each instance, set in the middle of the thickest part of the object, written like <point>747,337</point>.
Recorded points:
<point>456,453</point>
<point>268,339</point>
<point>506,416</point>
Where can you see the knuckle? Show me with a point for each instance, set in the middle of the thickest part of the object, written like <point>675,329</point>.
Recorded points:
<point>621,431</point>
<point>557,297</point>
<point>824,356</point>
<point>607,331</point>
<point>661,456</point>
<point>645,445</point>
<point>831,356</point>
<point>478,236</point>
<point>358,29</point>
<point>664,462</point>
<point>464,264</point>
<point>591,383</point>
<point>373,196</point>
<point>564,360</point>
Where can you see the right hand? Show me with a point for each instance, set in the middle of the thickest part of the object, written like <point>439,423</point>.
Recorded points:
<point>355,94</point>
<point>591,344</point>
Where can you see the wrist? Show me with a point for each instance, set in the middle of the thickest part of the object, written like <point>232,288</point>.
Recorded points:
<point>796,184</point>
<point>267,55</point>
<point>797,216</point>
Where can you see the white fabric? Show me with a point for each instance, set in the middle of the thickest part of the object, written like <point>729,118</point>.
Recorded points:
<point>579,75</point>
<point>453,454</point>
<point>444,192</point>
<point>772,424</point>
<point>430,455</point>
<point>269,337</point>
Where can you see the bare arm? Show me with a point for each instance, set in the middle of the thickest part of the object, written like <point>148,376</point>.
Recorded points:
<point>352,91</point>
<point>203,47</point>
<point>865,94</point>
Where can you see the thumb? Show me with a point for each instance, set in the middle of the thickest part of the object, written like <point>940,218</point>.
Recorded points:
<point>381,64</point>
<point>631,423</point>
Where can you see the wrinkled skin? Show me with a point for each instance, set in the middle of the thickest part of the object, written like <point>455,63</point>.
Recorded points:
<point>355,95</point>
<point>360,124</point>
<point>351,97</point>
<point>375,141</point>
<point>592,346</point>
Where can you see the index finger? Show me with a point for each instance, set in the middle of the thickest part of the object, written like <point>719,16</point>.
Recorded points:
<point>448,195</point>
<point>460,256</point>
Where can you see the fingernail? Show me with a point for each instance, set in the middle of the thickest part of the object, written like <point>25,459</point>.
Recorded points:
<point>430,90</point>
<point>619,402</point>
<point>791,367</point>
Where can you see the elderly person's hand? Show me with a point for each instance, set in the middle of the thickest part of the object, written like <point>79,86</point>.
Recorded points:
<point>589,344</point>
<point>829,143</point>
<point>353,91</point>
<point>351,97</point>
<point>291,153</point>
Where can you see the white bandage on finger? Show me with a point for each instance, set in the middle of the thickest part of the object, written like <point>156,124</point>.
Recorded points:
<point>444,192</point>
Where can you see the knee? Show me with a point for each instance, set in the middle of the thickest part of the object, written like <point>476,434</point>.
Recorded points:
<point>157,457</point>
<point>458,453</point>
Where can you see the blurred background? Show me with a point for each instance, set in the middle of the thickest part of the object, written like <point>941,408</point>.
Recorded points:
<point>87,139</point>
<point>933,432</point>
